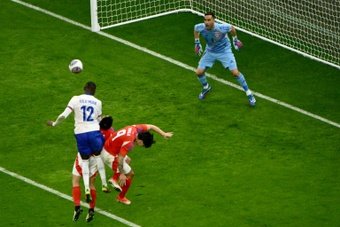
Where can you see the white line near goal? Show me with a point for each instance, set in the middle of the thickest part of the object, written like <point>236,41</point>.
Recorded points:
<point>178,63</point>
<point>64,196</point>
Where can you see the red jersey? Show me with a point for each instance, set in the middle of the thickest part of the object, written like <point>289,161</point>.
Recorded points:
<point>107,133</point>
<point>122,141</point>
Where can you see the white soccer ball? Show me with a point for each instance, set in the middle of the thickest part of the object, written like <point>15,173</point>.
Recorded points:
<point>75,66</point>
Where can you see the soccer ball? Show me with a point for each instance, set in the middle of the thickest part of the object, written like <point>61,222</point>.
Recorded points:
<point>76,66</point>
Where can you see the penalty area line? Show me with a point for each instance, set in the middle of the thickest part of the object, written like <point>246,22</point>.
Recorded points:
<point>67,197</point>
<point>178,63</point>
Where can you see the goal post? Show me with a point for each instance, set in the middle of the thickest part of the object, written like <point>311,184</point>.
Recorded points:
<point>311,28</point>
<point>95,27</point>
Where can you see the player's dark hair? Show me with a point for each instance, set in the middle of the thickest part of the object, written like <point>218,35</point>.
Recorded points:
<point>90,88</point>
<point>210,13</point>
<point>106,123</point>
<point>147,138</point>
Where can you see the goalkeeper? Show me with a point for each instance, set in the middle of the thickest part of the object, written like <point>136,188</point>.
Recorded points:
<point>218,49</point>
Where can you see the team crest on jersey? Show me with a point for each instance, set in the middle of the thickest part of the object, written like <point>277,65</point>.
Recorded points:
<point>217,35</point>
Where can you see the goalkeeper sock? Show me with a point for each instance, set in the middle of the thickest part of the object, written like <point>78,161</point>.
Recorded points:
<point>203,80</point>
<point>242,81</point>
<point>76,194</point>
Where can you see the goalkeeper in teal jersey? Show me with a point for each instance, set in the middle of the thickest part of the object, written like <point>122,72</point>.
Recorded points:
<point>218,48</point>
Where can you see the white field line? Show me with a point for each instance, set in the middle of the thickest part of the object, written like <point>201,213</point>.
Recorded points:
<point>64,196</point>
<point>178,63</point>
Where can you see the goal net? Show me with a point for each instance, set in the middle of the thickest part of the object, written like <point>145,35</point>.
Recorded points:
<point>111,13</point>
<point>311,28</point>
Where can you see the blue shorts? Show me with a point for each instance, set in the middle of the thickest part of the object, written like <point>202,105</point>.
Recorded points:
<point>226,58</point>
<point>89,143</point>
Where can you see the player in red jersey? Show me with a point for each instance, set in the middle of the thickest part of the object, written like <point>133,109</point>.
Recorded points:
<point>107,130</point>
<point>119,144</point>
<point>106,127</point>
<point>76,191</point>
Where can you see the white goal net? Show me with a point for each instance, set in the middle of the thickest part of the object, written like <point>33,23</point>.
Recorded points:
<point>311,28</point>
<point>116,12</point>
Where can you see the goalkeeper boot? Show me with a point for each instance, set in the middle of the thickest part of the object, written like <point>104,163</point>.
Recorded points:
<point>252,100</point>
<point>90,215</point>
<point>77,213</point>
<point>204,92</point>
<point>115,185</point>
<point>88,197</point>
<point>106,189</point>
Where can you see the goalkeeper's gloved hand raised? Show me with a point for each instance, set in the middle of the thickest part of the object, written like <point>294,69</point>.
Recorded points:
<point>237,43</point>
<point>198,47</point>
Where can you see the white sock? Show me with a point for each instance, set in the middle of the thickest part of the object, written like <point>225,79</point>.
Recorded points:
<point>86,174</point>
<point>101,170</point>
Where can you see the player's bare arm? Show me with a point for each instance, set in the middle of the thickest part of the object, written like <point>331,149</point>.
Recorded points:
<point>156,129</point>
<point>196,35</point>
<point>233,31</point>
<point>61,117</point>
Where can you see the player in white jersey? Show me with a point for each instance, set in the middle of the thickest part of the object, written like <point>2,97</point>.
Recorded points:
<point>87,112</point>
<point>218,49</point>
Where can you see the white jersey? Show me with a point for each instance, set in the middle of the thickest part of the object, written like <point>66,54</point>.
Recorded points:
<point>87,109</point>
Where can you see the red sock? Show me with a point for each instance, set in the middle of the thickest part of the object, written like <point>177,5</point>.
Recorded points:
<point>76,194</point>
<point>94,196</point>
<point>114,169</point>
<point>115,172</point>
<point>115,176</point>
<point>125,188</point>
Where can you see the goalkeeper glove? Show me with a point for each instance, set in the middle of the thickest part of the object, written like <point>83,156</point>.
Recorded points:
<point>198,47</point>
<point>237,43</point>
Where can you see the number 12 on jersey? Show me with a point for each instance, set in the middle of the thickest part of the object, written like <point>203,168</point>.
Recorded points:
<point>87,113</point>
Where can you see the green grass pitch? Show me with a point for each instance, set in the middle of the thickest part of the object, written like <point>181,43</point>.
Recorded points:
<point>226,165</point>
